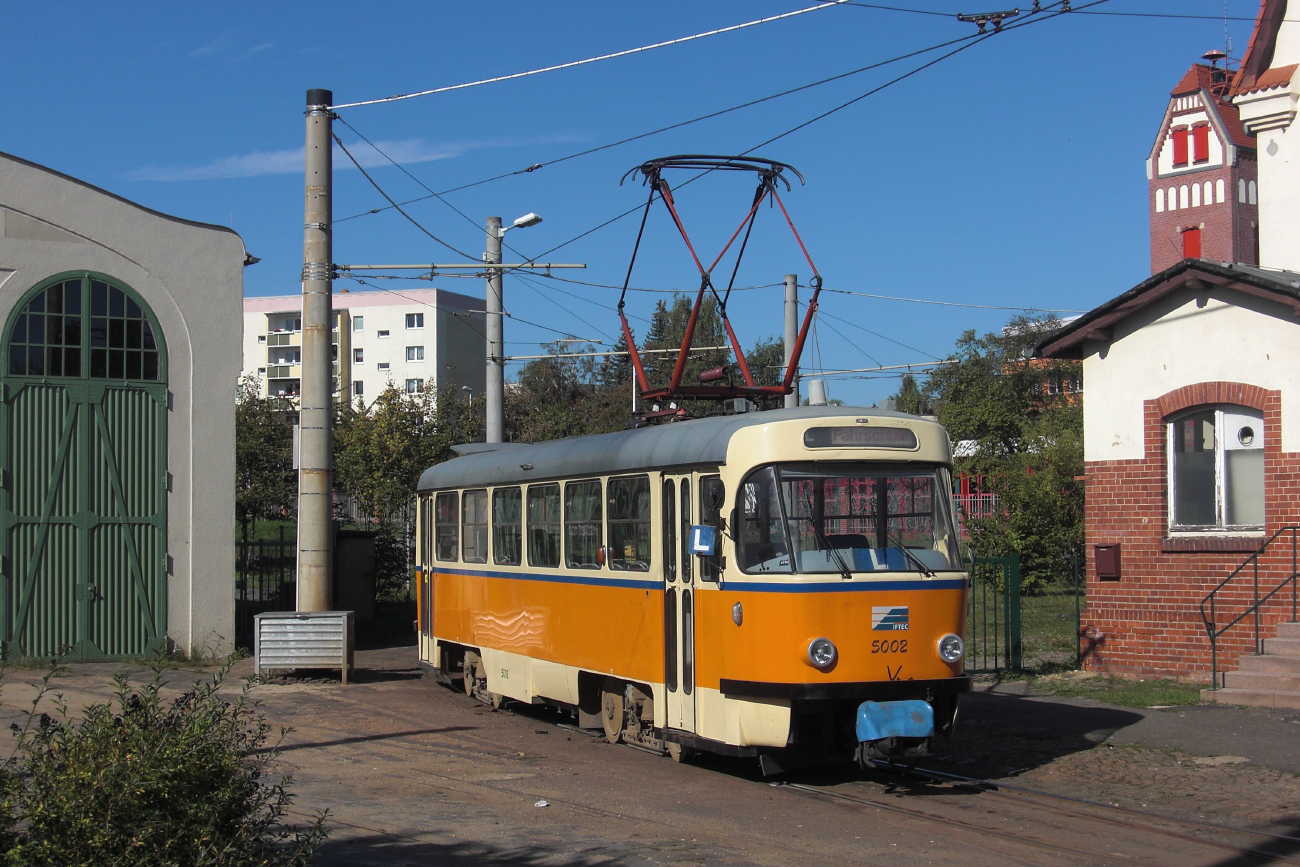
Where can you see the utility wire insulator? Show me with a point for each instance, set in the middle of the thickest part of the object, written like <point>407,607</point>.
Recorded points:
<point>984,19</point>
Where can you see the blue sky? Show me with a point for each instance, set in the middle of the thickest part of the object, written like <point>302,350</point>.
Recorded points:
<point>1010,174</point>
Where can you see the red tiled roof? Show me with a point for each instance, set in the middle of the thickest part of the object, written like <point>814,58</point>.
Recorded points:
<point>1279,76</point>
<point>1201,79</point>
<point>1259,54</point>
<point>1198,77</point>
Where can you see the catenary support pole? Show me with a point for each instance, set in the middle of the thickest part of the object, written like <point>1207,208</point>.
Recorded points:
<point>791,331</point>
<point>315,475</point>
<point>496,363</point>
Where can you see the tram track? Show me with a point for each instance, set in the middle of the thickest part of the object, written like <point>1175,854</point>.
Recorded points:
<point>1064,806</point>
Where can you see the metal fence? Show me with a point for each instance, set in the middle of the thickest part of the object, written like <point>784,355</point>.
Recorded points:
<point>266,581</point>
<point>972,507</point>
<point>1009,631</point>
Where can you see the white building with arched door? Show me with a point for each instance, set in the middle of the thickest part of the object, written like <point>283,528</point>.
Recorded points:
<point>121,350</point>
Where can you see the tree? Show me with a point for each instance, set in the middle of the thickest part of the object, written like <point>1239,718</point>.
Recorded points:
<point>909,397</point>
<point>767,361</point>
<point>266,486</point>
<point>668,331</point>
<point>1022,426</point>
<point>381,450</point>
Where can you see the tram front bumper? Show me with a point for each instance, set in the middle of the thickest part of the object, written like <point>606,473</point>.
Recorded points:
<point>894,729</point>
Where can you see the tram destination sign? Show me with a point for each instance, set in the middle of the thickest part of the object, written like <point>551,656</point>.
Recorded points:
<point>859,437</point>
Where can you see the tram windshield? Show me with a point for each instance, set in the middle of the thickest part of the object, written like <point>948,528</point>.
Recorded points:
<point>847,518</point>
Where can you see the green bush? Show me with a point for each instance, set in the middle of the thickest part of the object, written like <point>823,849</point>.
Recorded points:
<point>141,780</point>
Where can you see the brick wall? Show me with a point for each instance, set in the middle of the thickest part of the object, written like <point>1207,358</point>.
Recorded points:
<point>1148,624</point>
<point>1227,228</point>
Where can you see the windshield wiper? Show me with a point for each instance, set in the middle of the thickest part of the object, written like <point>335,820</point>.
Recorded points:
<point>834,552</point>
<point>912,558</point>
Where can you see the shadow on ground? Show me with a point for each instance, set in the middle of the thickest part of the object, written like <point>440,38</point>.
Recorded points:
<point>1268,851</point>
<point>390,850</point>
<point>1000,735</point>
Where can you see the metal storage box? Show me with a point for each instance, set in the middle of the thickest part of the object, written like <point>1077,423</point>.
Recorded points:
<point>300,639</point>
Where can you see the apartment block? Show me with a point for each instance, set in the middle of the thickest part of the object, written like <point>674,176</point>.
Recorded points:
<point>414,339</point>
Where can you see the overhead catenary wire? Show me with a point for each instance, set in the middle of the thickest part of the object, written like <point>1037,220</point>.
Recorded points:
<point>970,41</point>
<point>822,310</point>
<point>678,125</point>
<point>950,303</point>
<point>381,192</point>
<point>597,59</point>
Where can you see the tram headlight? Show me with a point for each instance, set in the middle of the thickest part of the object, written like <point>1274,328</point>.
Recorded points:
<point>951,648</point>
<point>821,653</point>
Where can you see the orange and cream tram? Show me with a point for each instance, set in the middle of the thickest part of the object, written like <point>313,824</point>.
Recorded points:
<point>783,584</point>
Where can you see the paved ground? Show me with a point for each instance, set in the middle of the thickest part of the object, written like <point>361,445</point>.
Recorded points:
<point>412,773</point>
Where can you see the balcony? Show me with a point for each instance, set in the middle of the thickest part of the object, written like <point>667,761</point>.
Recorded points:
<point>284,338</point>
<point>284,371</point>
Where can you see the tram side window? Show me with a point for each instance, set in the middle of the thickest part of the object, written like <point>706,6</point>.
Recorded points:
<point>544,525</point>
<point>712,498</point>
<point>507,526</point>
<point>474,527</point>
<point>426,531</point>
<point>582,524</point>
<point>629,524</point>
<point>761,534</point>
<point>446,526</point>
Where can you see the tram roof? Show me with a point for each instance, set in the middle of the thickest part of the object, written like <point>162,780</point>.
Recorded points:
<point>686,443</point>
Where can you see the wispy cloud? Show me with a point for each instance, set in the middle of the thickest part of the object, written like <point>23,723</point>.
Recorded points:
<point>229,46</point>
<point>291,162</point>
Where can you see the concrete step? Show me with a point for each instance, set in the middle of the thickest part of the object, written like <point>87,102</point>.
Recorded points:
<point>1274,664</point>
<point>1252,697</point>
<point>1282,646</point>
<point>1262,681</point>
<point>1288,629</point>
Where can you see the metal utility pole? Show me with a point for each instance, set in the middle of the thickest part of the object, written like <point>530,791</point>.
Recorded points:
<point>496,362</point>
<point>316,466</point>
<point>791,331</point>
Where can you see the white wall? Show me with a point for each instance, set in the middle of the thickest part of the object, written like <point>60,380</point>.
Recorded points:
<point>191,275</point>
<point>1269,115</point>
<point>1176,342</point>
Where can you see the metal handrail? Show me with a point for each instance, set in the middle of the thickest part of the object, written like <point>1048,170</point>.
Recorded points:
<point>1211,621</point>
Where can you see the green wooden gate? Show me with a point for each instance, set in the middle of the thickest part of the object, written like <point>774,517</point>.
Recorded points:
<point>83,532</point>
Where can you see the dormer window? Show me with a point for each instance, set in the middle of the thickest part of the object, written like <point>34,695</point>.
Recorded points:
<point>1180,147</point>
<point>1200,144</point>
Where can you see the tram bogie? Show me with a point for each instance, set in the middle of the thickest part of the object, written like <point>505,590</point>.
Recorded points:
<point>824,623</point>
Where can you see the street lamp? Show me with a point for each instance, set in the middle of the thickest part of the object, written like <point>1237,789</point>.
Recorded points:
<point>496,363</point>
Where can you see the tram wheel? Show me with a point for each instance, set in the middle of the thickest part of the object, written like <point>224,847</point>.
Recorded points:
<point>612,714</point>
<point>472,663</point>
<point>681,753</point>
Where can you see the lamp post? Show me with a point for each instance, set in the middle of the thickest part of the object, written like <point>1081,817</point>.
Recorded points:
<point>496,363</point>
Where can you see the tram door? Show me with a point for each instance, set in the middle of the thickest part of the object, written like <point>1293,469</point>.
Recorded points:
<point>425,576</point>
<point>679,604</point>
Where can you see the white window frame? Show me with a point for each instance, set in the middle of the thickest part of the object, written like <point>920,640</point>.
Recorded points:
<point>383,365</point>
<point>415,353</point>
<point>417,318</point>
<point>358,323</point>
<point>419,386</point>
<point>359,355</point>
<point>382,334</point>
<point>358,388</point>
<point>1221,526</point>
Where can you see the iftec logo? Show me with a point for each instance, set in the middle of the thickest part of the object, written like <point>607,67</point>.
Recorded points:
<point>887,618</point>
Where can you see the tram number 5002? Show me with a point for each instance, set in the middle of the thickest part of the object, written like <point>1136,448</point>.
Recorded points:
<point>887,646</point>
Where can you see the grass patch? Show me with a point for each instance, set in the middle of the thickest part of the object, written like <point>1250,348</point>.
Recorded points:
<point>1119,691</point>
<point>1048,629</point>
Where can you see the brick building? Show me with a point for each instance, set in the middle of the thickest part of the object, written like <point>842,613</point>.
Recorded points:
<point>1192,457</point>
<point>1202,176</point>
<point>1192,378</point>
